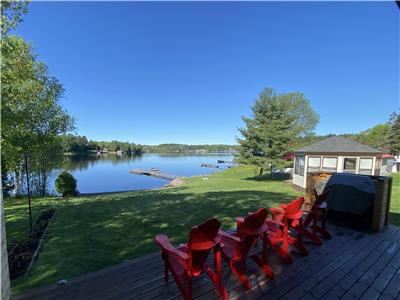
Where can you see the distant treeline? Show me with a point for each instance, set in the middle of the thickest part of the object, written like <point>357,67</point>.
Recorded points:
<point>381,136</point>
<point>80,144</point>
<point>182,148</point>
<point>377,137</point>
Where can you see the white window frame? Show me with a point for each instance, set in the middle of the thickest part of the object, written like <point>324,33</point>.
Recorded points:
<point>323,160</point>
<point>296,170</point>
<point>314,168</point>
<point>355,167</point>
<point>372,166</point>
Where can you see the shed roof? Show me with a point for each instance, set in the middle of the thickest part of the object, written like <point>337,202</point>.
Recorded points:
<point>338,144</point>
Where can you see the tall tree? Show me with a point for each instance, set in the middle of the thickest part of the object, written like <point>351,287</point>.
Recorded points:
<point>31,113</point>
<point>394,137</point>
<point>376,136</point>
<point>278,121</point>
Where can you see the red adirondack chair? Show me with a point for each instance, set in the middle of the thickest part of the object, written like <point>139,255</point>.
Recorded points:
<point>283,220</point>
<point>315,221</point>
<point>189,260</point>
<point>242,244</point>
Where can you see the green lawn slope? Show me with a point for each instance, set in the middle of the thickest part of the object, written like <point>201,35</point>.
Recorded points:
<point>92,232</point>
<point>89,233</point>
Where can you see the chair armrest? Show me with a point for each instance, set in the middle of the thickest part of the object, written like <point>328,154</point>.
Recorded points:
<point>274,222</point>
<point>227,236</point>
<point>276,211</point>
<point>273,226</point>
<point>283,205</point>
<point>163,241</point>
<point>296,216</point>
<point>239,220</point>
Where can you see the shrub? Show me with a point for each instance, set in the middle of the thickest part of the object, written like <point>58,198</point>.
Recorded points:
<point>66,184</point>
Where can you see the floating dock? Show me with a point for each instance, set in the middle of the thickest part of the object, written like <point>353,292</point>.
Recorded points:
<point>225,161</point>
<point>209,166</point>
<point>157,174</point>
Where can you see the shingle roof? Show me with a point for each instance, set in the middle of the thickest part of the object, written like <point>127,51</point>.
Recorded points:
<point>338,144</point>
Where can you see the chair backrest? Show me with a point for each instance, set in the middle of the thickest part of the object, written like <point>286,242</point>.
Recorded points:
<point>320,198</point>
<point>293,208</point>
<point>254,223</point>
<point>318,201</point>
<point>202,239</point>
<point>248,231</point>
<point>205,235</point>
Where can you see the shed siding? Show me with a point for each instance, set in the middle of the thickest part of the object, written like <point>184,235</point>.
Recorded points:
<point>298,180</point>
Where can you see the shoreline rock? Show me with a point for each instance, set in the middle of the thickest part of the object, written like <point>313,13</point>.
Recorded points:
<point>175,182</point>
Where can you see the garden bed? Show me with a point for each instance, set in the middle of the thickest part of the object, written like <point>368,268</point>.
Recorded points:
<point>20,259</point>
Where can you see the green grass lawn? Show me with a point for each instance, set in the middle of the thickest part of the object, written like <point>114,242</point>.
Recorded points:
<point>394,215</point>
<point>92,232</point>
<point>89,233</point>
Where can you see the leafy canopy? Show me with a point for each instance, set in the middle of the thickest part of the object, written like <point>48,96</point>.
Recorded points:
<point>11,14</point>
<point>31,113</point>
<point>376,136</point>
<point>66,184</point>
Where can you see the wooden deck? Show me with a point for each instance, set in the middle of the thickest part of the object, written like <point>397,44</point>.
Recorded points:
<point>352,265</point>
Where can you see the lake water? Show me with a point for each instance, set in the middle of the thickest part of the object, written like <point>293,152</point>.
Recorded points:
<point>109,173</point>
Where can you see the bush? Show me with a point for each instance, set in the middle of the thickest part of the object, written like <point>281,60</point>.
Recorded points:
<point>66,184</point>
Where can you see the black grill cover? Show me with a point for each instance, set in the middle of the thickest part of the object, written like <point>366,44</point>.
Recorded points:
<point>350,193</point>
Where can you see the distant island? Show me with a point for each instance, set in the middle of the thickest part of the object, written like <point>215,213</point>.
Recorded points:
<point>183,148</point>
<point>80,145</point>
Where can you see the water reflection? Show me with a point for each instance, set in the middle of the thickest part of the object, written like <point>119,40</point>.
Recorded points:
<point>83,162</point>
<point>109,172</point>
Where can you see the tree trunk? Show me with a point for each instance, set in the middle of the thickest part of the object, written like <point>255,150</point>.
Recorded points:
<point>261,171</point>
<point>272,173</point>
<point>18,183</point>
<point>43,186</point>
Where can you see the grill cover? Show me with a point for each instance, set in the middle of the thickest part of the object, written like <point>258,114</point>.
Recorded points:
<point>350,193</point>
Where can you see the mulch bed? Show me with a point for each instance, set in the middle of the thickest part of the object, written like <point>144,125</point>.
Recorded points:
<point>20,257</point>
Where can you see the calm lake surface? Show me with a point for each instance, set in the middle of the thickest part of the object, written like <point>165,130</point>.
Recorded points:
<point>109,173</point>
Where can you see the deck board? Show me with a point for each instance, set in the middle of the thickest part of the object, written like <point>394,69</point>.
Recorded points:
<point>351,265</point>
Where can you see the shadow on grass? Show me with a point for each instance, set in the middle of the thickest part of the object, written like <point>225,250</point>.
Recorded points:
<point>92,233</point>
<point>394,218</point>
<point>267,177</point>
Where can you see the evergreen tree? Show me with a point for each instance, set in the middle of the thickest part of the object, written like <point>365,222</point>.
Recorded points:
<point>278,121</point>
<point>394,137</point>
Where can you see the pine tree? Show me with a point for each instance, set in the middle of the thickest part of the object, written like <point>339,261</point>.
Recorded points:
<point>394,137</point>
<point>277,121</point>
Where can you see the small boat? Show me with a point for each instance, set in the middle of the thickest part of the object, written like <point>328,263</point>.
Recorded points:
<point>154,170</point>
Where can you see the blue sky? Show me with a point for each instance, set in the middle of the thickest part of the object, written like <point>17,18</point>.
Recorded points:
<point>186,72</point>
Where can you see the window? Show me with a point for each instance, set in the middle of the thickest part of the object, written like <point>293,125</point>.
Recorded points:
<point>314,164</point>
<point>365,166</point>
<point>299,165</point>
<point>349,165</point>
<point>329,164</point>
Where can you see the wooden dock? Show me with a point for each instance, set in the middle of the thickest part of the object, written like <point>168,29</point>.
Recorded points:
<point>156,174</point>
<point>220,161</point>
<point>352,265</point>
<point>209,166</point>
